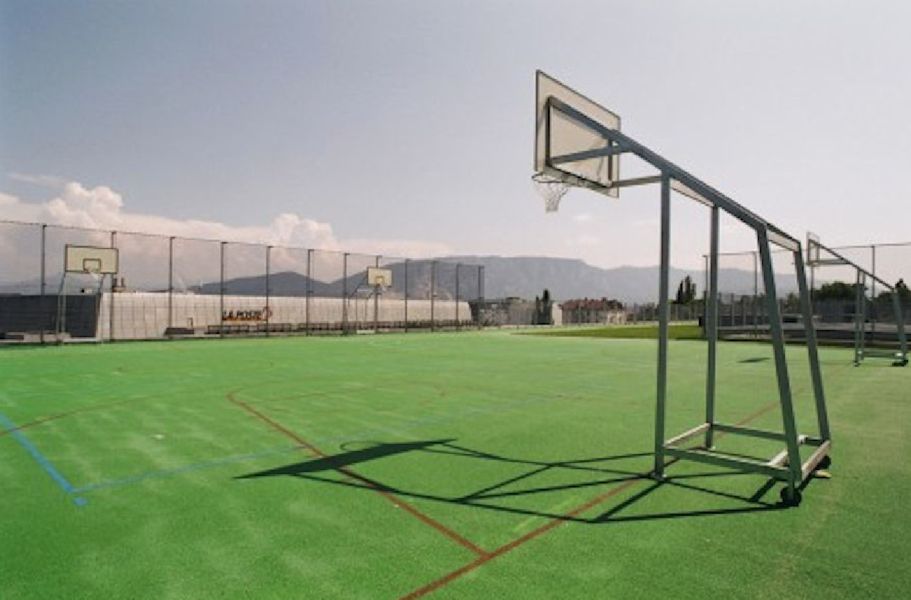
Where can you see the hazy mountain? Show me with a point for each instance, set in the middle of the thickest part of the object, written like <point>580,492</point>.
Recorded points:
<point>522,276</point>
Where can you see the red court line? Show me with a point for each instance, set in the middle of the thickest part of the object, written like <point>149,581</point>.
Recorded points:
<point>68,413</point>
<point>553,523</point>
<point>398,502</point>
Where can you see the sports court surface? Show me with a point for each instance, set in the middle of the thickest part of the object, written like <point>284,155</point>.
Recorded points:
<point>473,464</point>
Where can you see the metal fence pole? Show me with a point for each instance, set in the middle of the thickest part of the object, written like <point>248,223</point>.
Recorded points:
<point>221,290</point>
<point>433,292</point>
<point>480,295</point>
<point>170,282</point>
<point>345,293</point>
<point>376,301</point>
<point>308,291</point>
<point>755,294</point>
<point>113,285</point>
<point>458,324</point>
<point>873,292</point>
<point>43,283</point>
<point>406,295</point>
<point>268,286</point>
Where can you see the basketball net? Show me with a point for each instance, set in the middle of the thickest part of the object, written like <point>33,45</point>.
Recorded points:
<point>551,189</point>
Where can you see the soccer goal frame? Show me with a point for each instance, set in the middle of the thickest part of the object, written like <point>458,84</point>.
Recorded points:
<point>820,255</point>
<point>564,106</point>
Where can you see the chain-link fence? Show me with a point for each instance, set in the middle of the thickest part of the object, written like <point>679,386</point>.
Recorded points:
<point>172,287</point>
<point>742,310</point>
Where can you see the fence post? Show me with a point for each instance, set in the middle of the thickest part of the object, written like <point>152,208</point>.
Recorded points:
<point>170,282</point>
<point>268,286</point>
<point>43,269</point>
<point>307,292</point>
<point>376,301</point>
<point>458,323</point>
<point>113,285</point>
<point>480,295</point>
<point>433,292</point>
<point>221,290</point>
<point>345,293</point>
<point>406,295</point>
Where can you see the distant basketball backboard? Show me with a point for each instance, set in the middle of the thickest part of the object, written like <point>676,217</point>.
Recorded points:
<point>377,277</point>
<point>568,149</point>
<point>90,259</point>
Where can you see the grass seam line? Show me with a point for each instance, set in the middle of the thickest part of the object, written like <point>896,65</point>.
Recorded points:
<point>395,500</point>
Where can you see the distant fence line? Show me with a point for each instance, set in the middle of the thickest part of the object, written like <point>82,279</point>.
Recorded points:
<point>172,286</point>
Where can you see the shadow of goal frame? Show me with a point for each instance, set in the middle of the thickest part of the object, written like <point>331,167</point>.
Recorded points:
<point>563,112</point>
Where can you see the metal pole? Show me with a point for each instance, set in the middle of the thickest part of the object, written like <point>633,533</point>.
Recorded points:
<point>480,295</point>
<point>806,307</point>
<point>873,289</point>
<point>376,302</point>
<point>712,329</point>
<point>43,282</point>
<point>755,294</point>
<point>111,301</point>
<point>858,319</point>
<point>268,286</point>
<point>221,290</point>
<point>307,293</point>
<point>406,295</point>
<point>663,291</point>
<point>781,365</point>
<point>170,282</point>
<point>458,325</point>
<point>433,292</point>
<point>345,293</point>
<point>900,326</point>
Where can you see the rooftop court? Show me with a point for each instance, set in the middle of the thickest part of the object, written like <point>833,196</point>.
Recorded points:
<point>482,464</point>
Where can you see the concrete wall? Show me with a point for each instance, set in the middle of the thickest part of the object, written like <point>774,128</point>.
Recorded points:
<point>145,314</point>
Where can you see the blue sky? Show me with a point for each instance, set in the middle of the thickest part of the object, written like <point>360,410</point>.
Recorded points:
<point>408,126</point>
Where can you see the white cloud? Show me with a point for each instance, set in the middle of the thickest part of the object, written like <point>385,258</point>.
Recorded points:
<point>582,218</point>
<point>101,207</point>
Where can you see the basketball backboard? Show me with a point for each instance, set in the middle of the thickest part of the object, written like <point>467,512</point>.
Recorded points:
<point>559,138</point>
<point>377,277</point>
<point>90,259</point>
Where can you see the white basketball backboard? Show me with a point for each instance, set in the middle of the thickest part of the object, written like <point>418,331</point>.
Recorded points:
<point>377,277</point>
<point>91,259</point>
<point>557,134</point>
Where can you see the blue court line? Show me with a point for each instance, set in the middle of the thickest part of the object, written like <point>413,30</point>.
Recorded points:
<point>164,473</point>
<point>42,460</point>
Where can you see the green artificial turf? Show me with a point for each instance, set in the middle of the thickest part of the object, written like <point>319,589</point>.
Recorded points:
<point>374,466</point>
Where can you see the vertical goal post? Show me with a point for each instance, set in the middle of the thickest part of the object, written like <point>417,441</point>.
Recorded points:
<point>578,143</point>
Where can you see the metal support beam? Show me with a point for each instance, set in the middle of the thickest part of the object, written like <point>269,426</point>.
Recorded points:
<point>781,365</point>
<point>806,308</point>
<point>588,154</point>
<point>43,273</point>
<point>406,295</point>
<point>711,328</point>
<point>663,293</point>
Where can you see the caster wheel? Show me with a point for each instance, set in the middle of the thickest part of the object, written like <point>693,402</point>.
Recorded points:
<point>825,463</point>
<point>790,499</point>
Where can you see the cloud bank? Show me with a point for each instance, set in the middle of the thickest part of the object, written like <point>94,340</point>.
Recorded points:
<point>101,207</point>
